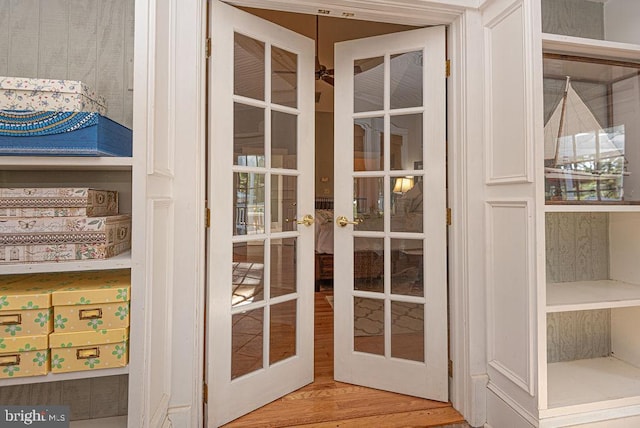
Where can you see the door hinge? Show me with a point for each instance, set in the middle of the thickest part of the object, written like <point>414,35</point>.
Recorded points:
<point>207,217</point>
<point>207,48</point>
<point>205,392</point>
<point>448,68</point>
<point>448,216</point>
<point>450,365</point>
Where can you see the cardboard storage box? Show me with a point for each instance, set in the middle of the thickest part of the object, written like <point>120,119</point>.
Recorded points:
<point>95,202</point>
<point>25,304</point>
<point>60,252</point>
<point>31,94</point>
<point>89,350</point>
<point>24,356</point>
<point>94,301</point>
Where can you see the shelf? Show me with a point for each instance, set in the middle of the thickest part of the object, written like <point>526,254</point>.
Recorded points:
<point>113,422</point>
<point>65,162</point>
<point>607,208</point>
<point>590,47</point>
<point>55,377</point>
<point>597,381</point>
<point>121,261</point>
<point>586,295</point>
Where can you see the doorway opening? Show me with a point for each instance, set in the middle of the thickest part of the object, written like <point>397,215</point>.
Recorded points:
<point>327,31</point>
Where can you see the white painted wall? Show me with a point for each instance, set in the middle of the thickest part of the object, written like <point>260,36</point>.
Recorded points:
<point>86,40</point>
<point>621,21</point>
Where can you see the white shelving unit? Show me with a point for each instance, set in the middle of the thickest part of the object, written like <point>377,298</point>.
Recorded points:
<point>121,261</point>
<point>596,388</point>
<point>57,377</point>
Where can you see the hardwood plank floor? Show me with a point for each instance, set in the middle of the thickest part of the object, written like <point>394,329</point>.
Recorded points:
<point>327,403</point>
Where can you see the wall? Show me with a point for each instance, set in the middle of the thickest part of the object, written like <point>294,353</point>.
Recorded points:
<point>621,21</point>
<point>86,40</point>
<point>577,18</point>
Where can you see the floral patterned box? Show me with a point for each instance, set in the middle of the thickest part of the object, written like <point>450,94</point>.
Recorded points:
<point>65,230</point>
<point>24,356</point>
<point>60,252</point>
<point>25,304</point>
<point>89,350</point>
<point>57,202</point>
<point>21,93</point>
<point>93,302</point>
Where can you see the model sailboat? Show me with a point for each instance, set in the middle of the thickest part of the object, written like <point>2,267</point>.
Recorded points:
<point>583,161</point>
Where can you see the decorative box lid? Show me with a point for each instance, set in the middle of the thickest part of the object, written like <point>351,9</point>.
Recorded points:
<point>95,287</point>
<point>23,343</point>
<point>82,338</point>
<point>50,85</point>
<point>30,291</point>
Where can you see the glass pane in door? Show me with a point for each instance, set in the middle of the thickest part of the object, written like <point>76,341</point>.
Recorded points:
<point>368,325</point>
<point>368,84</point>
<point>406,142</point>
<point>247,342</point>
<point>248,67</point>
<point>368,144</point>
<point>368,264</point>
<point>407,331</point>
<point>284,202</point>
<point>247,273</point>
<point>368,203</point>
<point>283,266</point>
<point>284,140</point>
<point>284,77</point>
<point>282,331</point>
<point>407,267</point>
<point>248,135</point>
<point>406,80</point>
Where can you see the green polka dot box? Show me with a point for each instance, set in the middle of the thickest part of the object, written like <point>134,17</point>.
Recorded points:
<point>24,356</point>
<point>89,350</point>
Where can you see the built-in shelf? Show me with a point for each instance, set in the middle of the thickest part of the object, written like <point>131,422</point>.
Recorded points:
<point>121,261</point>
<point>555,43</point>
<point>55,377</point>
<point>587,295</point>
<point>590,384</point>
<point>559,208</point>
<point>113,422</point>
<point>65,163</point>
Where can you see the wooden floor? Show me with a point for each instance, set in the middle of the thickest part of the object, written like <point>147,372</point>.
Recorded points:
<point>327,403</point>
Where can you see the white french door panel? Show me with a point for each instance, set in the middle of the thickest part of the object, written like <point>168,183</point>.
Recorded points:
<point>390,282</point>
<point>261,180</point>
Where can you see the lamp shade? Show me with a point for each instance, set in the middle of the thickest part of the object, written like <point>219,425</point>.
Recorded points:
<point>403,185</point>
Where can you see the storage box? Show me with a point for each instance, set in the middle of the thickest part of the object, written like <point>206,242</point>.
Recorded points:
<point>65,230</point>
<point>25,304</point>
<point>21,93</point>
<point>89,350</point>
<point>95,202</point>
<point>103,137</point>
<point>24,356</point>
<point>60,252</point>
<point>95,301</point>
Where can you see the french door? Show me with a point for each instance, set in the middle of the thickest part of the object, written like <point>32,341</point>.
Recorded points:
<point>390,287</point>
<point>260,279</point>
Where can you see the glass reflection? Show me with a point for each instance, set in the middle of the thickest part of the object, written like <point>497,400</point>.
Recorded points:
<point>407,267</point>
<point>282,337</point>
<point>248,67</point>
<point>247,273</point>
<point>283,266</point>
<point>284,193</point>
<point>368,203</point>
<point>368,84</point>
<point>248,203</point>
<point>368,264</point>
<point>246,342</point>
<point>368,325</point>
<point>406,204</point>
<point>248,135</point>
<point>284,140</point>
<point>406,80</point>
<point>407,331</point>
<point>368,144</point>
<point>284,77</point>
<point>406,142</point>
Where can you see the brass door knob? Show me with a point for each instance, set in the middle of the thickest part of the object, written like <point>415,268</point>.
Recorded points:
<point>343,221</point>
<point>307,220</point>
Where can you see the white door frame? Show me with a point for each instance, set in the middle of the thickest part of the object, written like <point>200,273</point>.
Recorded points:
<point>465,99</point>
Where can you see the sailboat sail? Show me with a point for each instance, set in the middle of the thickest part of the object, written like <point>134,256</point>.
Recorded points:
<point>573,134</point>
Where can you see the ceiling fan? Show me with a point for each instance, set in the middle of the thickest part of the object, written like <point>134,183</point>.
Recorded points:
<point>322,72</point>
